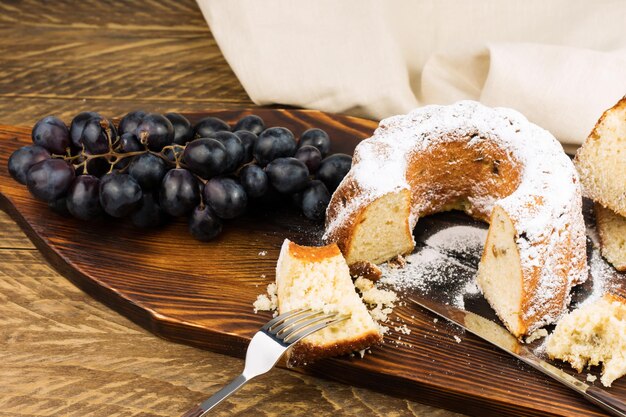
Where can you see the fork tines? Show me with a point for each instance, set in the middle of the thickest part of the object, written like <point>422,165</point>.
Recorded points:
<point>294,325</point>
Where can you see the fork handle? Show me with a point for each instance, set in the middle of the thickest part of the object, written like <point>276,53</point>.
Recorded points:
<point>202,409</point>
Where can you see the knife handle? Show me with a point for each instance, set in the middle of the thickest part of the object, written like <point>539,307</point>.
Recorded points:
<point>607,401</point>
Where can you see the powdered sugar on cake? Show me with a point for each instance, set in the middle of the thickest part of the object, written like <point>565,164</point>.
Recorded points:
<point>546,202</point>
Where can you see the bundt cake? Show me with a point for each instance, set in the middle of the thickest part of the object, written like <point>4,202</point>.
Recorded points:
<point>612,231</point>
<point>601,161</point>
<point>319,278</point>
<point>592,334</point>
<point>494,165</point>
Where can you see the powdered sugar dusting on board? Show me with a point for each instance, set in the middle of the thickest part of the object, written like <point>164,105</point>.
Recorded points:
<point>432,275</point>
<point>458,239</point>
<point>603,278</point>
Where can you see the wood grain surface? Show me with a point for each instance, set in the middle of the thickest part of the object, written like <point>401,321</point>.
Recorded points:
<point>61,352</point>
<point>201,293</point>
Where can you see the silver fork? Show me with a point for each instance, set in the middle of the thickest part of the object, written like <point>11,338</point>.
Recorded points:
<point>266,348</point>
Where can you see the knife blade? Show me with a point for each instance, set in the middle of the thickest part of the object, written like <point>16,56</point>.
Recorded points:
<point>499,336</point>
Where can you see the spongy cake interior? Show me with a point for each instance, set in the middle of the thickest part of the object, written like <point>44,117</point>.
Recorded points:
<point>591,335</point>
<point>499,271</point>
<point>612,229</point>
<point>601,161</point>
<point>383,229</point>
<point>319,278</point>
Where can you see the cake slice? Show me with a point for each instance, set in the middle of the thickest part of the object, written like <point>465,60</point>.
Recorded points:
<point>612,230</point>
<point>319,278</point>
<point>601,161</point>
<point>592,334</point>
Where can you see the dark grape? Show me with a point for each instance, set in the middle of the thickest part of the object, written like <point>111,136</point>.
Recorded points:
<point>311,156</point>
<point>149,213</point>
<point>96,135</point>
<point>131,121</point>
<point>248,139</point>
<point>49,179</point>
<point>206,157</point>
<point>171,154</point>
<point>24,158</point>
<point>83,198</point>
<point>254,181</point>
<point>234,149</point>
<point>179,192</point>
<point>148,170</point>
<point>108,176</point>
<point>59,206</point>
<point>251,123</point>
<point>77,126</point>
<point>209,125</point>
<point>204,224</point>
<point>97,167</point>
<point>183,131</point>
<point>155,131</point>
<point>287,175</point>
<point>130,143</point>
<point>275,142</point>
<point>315,199</point>
<point>226,197</point>
<point>318,138</point>
<point>333,169</point>
<point>52,134</point>
<point>120,195</point>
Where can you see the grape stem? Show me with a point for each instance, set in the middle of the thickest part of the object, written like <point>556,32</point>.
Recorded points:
<point>114,155</point>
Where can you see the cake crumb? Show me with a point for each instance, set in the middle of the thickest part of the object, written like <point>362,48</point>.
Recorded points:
<point>397,262</point>
<point>457,339</point>
<point>536,335</point>
<point>402,329</point>
<point>263,253</point>
<point>380,302</point>
<point>591,378</point>
<point>266,302</point>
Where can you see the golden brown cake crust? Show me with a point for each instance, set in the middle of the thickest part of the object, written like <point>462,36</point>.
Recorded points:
<point>615,297</point>
<point>302,352</point>
<point>366,270</point>
<point>313,253</point>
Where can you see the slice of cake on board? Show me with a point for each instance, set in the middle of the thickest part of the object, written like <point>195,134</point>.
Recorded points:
<point>319,278</point>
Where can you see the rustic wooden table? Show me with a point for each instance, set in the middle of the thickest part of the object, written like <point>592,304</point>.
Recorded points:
<point>62,353</point>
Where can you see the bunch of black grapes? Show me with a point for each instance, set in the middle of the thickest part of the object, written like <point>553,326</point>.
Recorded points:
<point>151,167</point>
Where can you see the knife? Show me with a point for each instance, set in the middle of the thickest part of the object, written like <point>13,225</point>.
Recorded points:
<point>499,336</point>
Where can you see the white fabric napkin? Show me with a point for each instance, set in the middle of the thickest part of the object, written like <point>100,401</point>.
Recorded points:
<point>559,62</point>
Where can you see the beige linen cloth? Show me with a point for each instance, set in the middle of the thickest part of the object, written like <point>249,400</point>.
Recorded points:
<point>559,62</point>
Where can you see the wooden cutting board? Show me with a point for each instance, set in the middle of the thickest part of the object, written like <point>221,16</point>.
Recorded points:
<point>202,293</point>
